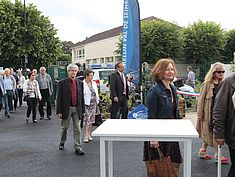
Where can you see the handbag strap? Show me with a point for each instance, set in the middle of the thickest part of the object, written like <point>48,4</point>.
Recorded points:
<point>161,155</point>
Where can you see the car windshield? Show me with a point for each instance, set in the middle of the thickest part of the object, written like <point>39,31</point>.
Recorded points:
<point>104,75</point>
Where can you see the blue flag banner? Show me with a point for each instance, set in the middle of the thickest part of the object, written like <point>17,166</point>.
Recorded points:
<point>131,39</point>
<point>140,112</point>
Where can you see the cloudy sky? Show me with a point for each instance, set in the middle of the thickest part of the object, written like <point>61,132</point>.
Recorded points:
<point>77,19</point>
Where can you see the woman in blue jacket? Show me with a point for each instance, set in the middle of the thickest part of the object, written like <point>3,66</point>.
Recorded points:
<point>162,103</point>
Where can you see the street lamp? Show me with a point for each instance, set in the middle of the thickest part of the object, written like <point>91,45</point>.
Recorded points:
<point>234,57</point>
<point>25,46</point>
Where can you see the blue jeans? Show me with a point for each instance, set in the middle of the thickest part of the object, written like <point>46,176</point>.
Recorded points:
<point>8,97</point>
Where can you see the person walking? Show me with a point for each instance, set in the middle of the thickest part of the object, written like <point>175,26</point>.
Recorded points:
<point>91,98</point>
<point>162,103</point>
<point>2,91</point>
<point>9,85</point>
<point>20,86</point>
<point>70,105</point>
<point>46,89</point>
<point>119,92</point>
<point>15,94</point>
<point>205,110</point>
<point>224,118</point>
<point>31,89</point>
<point>191,77</point>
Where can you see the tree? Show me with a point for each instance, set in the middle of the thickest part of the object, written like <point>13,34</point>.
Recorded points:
<point>204,42</point>
<point>229,48</point>
<point>66,45</point>
<point>42,46</point>
<point>160,39</point>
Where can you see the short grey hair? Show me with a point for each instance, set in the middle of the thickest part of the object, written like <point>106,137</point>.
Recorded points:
<point>72,66</point>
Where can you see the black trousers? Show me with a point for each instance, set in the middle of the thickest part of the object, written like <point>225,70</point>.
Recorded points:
<point>16,97</point>
<point>231,172</point>
<point>119,107</point>
<point>20,92</point>
<point>45,99</point>
<point>32,103</point>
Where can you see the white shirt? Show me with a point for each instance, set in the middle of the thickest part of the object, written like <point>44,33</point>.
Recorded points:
<point>87,92</point>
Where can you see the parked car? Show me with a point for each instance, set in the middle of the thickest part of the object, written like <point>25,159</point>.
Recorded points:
<point>101,77</point>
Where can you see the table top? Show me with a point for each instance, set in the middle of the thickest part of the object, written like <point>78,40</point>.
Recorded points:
<point>161,128</point>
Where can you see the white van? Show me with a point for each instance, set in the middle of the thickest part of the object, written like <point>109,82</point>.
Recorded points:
<point>101,77</point>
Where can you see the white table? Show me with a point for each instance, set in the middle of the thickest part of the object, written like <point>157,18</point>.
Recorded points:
<point>144,130</point>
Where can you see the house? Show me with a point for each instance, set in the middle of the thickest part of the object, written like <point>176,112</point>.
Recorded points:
<point>100,48</point>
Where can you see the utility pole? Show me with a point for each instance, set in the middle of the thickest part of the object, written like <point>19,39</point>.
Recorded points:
<point>25,45</point>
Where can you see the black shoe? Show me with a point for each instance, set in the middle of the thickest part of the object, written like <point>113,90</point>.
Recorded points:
<point>48,117</point>
<point>41,118</point>
<point>35,121</point>
<point>61,146</point>
<point>79,152</point>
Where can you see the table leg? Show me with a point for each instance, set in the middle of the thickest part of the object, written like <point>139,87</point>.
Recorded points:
<point>102,158</point>
<point>187,158</point>
<point>110,158</point>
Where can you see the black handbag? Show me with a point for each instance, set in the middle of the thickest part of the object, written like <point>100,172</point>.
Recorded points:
<point>26,98</point>
<point>98,120</point>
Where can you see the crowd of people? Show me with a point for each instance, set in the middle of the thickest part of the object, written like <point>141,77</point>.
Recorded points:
<point>77,98</point>
<point>15,89</point>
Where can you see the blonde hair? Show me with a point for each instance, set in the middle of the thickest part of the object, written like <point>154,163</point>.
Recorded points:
<point>160,67</point>
<point>214,67</point>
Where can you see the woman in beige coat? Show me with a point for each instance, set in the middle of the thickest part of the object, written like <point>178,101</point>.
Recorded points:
<point>204,110</point>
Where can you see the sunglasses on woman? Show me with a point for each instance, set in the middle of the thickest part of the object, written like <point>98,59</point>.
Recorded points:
<point>219,72</point>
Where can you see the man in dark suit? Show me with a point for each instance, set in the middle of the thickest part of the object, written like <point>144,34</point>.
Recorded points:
<point>119,92</point>
<point>70,104</point>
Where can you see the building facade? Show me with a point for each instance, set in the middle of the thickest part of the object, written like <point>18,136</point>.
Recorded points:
<point>98,49</point>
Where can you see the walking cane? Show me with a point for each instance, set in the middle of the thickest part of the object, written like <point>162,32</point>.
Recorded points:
<point>219,161</point>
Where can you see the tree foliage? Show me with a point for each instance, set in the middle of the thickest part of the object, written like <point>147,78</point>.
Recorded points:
<point>42,45</point>
<point>66,45</point>
<point>229,48</point>
<point>160,39</point>
<point>204,42</point>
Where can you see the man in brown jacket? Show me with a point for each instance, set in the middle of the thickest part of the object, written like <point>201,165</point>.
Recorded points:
<point>224,118</point>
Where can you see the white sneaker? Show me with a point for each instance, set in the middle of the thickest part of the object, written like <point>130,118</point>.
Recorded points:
<point>35,121</point>
<point>27,119</point>
<point>86,140</point>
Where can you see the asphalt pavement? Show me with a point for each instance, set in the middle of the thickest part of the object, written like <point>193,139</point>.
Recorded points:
<point>31,150</point>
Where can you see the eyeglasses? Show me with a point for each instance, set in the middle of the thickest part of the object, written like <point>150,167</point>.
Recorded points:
<point>219,72</point>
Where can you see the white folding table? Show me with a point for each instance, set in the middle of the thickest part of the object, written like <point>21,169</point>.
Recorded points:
<point>144,130</point>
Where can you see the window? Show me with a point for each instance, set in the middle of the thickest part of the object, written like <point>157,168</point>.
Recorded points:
<point>109,59</point>
<point>101,60</point>
<point>81,53</point>
<point>94,61</point>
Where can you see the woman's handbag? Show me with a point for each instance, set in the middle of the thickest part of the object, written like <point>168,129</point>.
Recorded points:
<point>26,98</point>
<point>98,118</point>
<point>162,167</point>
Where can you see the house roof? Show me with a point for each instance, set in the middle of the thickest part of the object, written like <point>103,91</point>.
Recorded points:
<point>109,33</point>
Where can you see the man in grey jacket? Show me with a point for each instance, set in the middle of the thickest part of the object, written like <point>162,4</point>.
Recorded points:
<point>224,118</point>
<point>46,89</point>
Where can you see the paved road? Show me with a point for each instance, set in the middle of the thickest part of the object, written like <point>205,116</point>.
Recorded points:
<point>31,150</point>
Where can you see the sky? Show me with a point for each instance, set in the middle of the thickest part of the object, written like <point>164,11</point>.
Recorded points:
<point>77,19</point>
